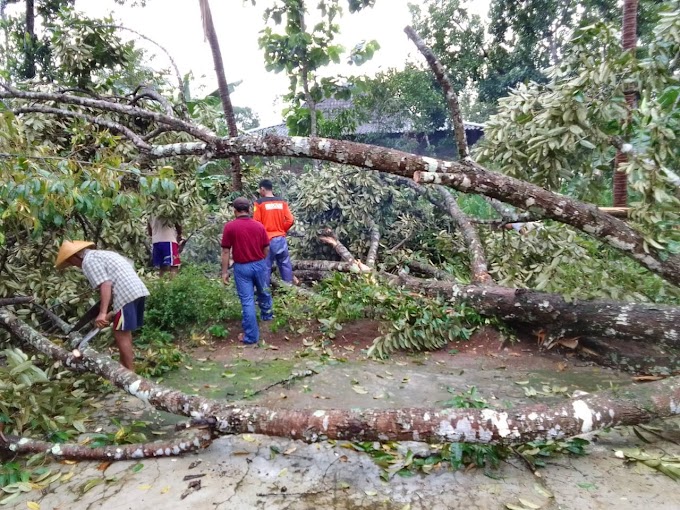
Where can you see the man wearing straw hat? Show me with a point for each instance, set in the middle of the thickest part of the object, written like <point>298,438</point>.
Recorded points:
<point>118,285</point>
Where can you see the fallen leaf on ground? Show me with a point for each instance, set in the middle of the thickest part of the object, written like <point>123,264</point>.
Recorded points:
<point>33,505</point>
<point>529,504</point>
<point>359,389</point>
<point>642,378</point>
<point>543,491</point>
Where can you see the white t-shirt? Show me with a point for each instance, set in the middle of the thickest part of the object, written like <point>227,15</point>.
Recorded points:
<point>162,232</point>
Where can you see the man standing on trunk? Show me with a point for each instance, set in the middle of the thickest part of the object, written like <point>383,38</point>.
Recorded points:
<point>245,241</point>
<point>118,282</point>
<point>274,214</point>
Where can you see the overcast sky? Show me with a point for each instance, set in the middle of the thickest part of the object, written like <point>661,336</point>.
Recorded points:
<point>176,25</point>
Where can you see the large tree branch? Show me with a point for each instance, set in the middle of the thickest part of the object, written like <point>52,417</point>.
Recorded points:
<point>451,97</point>
<point>13,445</point>
<point>466,176</point>
<point>108,124</point>
<point>475,249</point>
<point>198,132</point>
<point>375,243</point>
<point>91,361</point>
<point>327,236</point>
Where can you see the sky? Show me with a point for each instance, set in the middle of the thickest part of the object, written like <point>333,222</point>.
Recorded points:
<point>176,25</point>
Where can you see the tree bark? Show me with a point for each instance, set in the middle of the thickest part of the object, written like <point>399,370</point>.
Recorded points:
<point>375,243</point>
<point>322,265</point>
<point>629,41</point>
<point>450,94</point>
<point>327,236</point>
<point>466,175</point>
<point>211,35</point>
<point>29,40</point>
<point>475,249</point>
<point>18,300</point>
<point>643,322</point>
<point>429,270</point>
<point>11,446</point>
<point>623,406</point>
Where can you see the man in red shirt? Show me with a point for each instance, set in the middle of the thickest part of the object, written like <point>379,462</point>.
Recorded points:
<point>246,242</point>
<point>273,212</point>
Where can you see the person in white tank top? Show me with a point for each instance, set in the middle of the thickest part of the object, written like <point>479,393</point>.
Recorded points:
<point>165,238</point>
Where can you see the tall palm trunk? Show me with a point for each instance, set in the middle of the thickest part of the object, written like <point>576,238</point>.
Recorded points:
<point>629,40</point>
<point>211,36</point>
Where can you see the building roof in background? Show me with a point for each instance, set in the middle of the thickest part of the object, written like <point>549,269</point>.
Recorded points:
<point>386,125</point>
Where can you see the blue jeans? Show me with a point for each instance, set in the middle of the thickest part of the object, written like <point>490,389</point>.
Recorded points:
<point>250,278</point>
<point>278,251</point>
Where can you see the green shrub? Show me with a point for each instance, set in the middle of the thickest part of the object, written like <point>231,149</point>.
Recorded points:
<point>156,353</point>
<point>189,299</point>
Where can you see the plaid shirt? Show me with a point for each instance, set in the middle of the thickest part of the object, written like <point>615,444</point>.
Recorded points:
<point>100,266</point>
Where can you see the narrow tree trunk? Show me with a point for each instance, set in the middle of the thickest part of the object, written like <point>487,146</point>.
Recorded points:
<point>629,40</point>
<point>475,249</point>
<point>375,243</point>
<point>211,35</point>
<point>450,94</point>
<point>29,41</point>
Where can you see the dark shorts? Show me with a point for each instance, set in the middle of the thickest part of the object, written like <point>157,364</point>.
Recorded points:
<point>130,317</point>
<point>165,254</point>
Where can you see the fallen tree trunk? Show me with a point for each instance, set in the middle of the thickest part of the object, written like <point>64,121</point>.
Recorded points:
<point>323,265</point>
<point>611,319</point>
<point>623,406</point>
<point>557,317</point>
<point>327,236</point>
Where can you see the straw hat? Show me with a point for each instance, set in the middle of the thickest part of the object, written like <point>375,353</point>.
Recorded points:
<point>68,249</point>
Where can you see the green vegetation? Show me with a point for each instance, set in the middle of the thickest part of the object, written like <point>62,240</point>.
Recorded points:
<point>48,402</point>
<point>188,300</point>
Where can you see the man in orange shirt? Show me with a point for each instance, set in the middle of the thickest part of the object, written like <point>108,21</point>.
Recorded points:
<point>274,214</point>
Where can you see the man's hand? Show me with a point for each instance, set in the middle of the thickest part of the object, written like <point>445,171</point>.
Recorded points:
<point>102,320</point>
<point>225,278</point>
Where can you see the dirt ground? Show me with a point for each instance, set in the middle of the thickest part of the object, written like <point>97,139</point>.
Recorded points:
<point>293,370</point>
